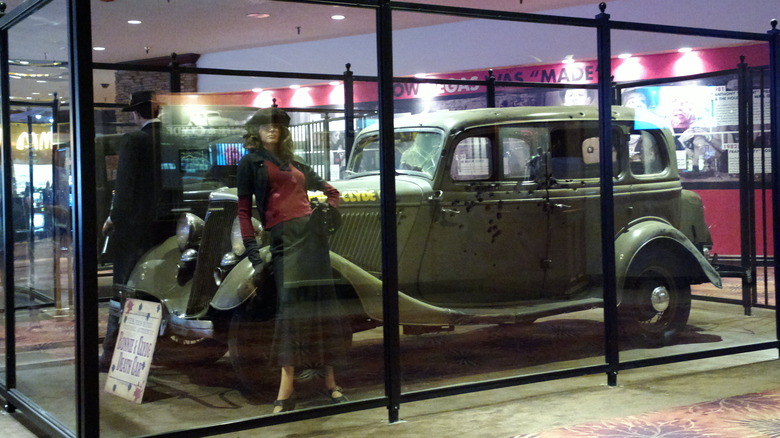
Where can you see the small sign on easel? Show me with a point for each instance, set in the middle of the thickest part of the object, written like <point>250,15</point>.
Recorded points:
<point>134,349</point>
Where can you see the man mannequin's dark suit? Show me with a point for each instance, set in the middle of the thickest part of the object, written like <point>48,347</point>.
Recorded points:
<point>133,209</point>
<point>135,223</point>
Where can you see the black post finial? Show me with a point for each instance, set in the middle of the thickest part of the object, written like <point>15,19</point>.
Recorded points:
<point>742,59</point>
<point>602,7</point>
<point>2,8</point>
<point>773,23</point>
<point>348,65</point>
<point>274,105</point>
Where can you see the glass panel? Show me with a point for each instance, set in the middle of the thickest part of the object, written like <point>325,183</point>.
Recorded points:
<point>230,326</point>
<point>719,213</point>
<point>496,260</point>
<point>43,256</point>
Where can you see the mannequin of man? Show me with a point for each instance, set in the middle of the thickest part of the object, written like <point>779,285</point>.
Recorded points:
<point>132,222</point>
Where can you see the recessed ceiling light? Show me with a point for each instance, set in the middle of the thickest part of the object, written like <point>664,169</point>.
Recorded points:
<point>568,59</point>
<point>295,87</point>
<point>258,15</point>
<point>337,17</point>
<point>624,55</point>
<point>98,48</point>
<point>257,90</point>
<point>133,21</point>
<point>684,49</point>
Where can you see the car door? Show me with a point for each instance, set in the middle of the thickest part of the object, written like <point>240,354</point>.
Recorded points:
<point>484,245</point>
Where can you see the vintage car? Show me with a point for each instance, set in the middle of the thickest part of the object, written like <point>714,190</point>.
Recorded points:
<point>498,222</point>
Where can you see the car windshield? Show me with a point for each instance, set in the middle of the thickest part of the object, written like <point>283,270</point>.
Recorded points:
<point>416,152</point>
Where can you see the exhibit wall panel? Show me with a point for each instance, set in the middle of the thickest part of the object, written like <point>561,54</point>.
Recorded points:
<point>697,309</point>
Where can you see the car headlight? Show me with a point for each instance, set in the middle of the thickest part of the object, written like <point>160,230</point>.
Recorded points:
<point>189,230</point>
<point>228,262</point>
<point>186,266</point>
<point>237,242</point>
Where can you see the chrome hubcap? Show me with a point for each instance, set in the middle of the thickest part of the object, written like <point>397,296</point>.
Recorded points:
<point>659,298</point>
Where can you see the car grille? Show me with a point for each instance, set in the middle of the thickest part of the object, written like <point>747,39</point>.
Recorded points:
<point>359,238</point>
<point>214,244</point>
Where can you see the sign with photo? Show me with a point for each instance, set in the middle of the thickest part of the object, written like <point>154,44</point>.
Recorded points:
<point>134,349</point>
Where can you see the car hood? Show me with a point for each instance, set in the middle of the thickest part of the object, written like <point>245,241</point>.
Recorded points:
<point>359,238</point>
<point>365,191</point>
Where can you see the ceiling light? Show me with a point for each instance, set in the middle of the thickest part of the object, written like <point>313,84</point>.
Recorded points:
<point>258,15</point>
<point>568,59</point>
<point>624,55</point>
<point>337,17</point>
<point>420,75</point>
<point>257,90</point>
<point>133,21</point>
<point>98,48</point>
<point>684,49</point>
<point>295,87</point>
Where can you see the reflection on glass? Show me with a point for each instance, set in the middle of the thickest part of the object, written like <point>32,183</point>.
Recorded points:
<point>220,314</point>
<point>416,151</point>
<point>42,178</point>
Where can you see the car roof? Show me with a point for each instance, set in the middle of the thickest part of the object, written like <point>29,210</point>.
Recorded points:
<point>450,121</point>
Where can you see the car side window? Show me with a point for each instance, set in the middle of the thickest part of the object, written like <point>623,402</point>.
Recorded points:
<point>574,152</point>
<point>471,160</point>
<point>644,155</point>
<point>515,154</point>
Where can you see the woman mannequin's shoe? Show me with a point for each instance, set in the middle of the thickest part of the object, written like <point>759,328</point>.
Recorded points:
<point>285,405</point>
<point>337,399</point>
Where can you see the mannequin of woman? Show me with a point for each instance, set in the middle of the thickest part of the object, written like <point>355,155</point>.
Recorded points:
<point>308,326</point>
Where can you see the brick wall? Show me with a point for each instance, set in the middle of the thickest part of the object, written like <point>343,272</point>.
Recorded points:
<point>128,82</point>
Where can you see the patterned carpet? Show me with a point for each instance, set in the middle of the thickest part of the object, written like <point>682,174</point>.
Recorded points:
<point>744,416</point>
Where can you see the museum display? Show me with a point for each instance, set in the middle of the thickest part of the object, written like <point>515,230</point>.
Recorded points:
<point>497,223</point>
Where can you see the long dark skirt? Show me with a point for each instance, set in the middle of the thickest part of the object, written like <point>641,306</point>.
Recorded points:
<point>310,326</point>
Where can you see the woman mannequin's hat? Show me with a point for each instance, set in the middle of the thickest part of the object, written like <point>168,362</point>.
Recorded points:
<point>139,99</point>
<point>267,116</point>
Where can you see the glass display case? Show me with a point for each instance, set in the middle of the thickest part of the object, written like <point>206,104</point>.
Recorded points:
<point>512,216</point>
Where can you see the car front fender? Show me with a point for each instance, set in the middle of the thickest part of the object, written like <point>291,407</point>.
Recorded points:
<point>155,275</point>
<point>236,288</point>
<point>648,232</point>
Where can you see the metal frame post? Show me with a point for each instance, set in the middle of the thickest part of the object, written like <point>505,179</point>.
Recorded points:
<point>8,223</point>
<point>175,74</point>
<point>746,185</point>
<point>774,128</point>
<point>384,28</point>
<point>84,220</point>
<point>607,199</point>
<point>349,110</point>
<point>491,89</point>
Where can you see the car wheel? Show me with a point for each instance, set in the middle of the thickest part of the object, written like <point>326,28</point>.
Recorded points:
<point>656,299</point>
<point>175,351</point>
<point>249,344</point>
